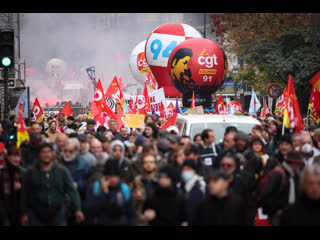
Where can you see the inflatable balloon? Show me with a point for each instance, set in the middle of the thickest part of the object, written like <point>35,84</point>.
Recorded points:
<point>159,45</point>
<point>56,68</point>
<point>138,64</point>
<point>197,65</point>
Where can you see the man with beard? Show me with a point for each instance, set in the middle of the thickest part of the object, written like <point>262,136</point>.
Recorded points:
<point>79,169</point>
<point>180,71</point>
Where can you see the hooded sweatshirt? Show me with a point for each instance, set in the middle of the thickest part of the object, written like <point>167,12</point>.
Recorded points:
<point>123,161</point>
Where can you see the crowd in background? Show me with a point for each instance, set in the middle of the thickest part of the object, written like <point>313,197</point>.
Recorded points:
<point>71,174</point>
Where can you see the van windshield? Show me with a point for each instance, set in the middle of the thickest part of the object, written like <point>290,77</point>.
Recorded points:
<point>219,128</point>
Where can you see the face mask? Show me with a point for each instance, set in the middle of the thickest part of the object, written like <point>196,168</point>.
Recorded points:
<point>186,176</point>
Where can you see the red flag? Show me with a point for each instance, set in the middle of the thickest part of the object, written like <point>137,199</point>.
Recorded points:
<point>114,92</point>
<point>236,106</point>
<point>265,109</point>
<point>221,109</point>
<point>135,108</point>
<point>22,133</point>
<point>131,106</point>
<point>170,109</point>
<point>146,102</point>
<point>120,119</point>
<point>292,113</point>
<point>314,104</point>
<point>37,111</point>
<point>66,110</point>
<point>162,111</point>
<point>315,81</point>
<point>281,104</point>
<point>170,121</point>
<point>193,101</point>
<point>103,112</point>
<point>151,81</point>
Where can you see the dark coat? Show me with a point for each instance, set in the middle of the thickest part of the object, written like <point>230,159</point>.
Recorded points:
<point>275,192</point>
<point>168,205</point>
<point>112,209</point>
<point>29,154</point>
<point>304,212</point>
<point>213,211</point>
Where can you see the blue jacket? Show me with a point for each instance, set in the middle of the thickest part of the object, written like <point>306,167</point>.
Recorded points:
<point>79,170</point>
<point>112,209</point>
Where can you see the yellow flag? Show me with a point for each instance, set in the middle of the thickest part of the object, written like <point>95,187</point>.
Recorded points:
<point>22,133</point>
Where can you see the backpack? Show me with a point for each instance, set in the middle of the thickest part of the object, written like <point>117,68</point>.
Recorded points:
<point>265,179</point>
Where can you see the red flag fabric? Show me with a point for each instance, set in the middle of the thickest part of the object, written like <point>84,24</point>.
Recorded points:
<point>314,104</point>
<point>170,109</point>
<point>236,106</point>
<point>150,81</point>
<point>103,112</point>
<point>281,104</point>
<point>37,111</point>
<point>162,111</point>
<point>265,109</point>
<point>114,92</point>
<point>292,107</point>
<point>146,102</point>
<point>135,108</point>
<point>221,109</point>
<point>315,81</point>
<point>170,121</point>
<point>193,101</point>
<point>66,110</point>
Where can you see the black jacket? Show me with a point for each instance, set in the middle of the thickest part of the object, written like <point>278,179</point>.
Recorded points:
<point>168,205</point>
<point>275,192</point>
<point>29,154</point>
<point>304,212</point>
<point>213,211</point>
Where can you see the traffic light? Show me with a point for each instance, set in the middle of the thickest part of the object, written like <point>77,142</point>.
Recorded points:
<point>7,48</point>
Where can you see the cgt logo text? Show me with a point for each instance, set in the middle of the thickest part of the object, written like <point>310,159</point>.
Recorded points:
<point>207,60</point>
<point>141,61</point>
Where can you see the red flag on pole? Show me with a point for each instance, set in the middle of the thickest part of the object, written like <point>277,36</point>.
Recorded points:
<point>193,101</point>
<point>221,109</point>
<point>170,121</point>
<point>66,110</point>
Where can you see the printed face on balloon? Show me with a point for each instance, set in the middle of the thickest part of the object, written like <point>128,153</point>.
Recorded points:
<point>197,65</point>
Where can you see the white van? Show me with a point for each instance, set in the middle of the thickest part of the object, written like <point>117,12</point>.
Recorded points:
<point>192,124</point>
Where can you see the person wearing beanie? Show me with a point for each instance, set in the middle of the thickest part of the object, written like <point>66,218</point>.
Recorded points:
<point>109,201</point>
<point>165,207</point>
<point>192,187</point>
<point>282,187</point>
<point>117,153</point>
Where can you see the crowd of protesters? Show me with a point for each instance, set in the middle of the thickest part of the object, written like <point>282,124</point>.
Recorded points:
<point>71,174</point>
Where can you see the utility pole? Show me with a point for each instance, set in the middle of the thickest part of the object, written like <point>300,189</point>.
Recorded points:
<point>5,86</point>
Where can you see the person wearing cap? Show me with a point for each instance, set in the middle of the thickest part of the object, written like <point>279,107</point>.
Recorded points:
<point>192,187</point>
<point>165,206</point>
<point>42,204</point>
<point>11,175</point>
<point>109,201</point>
<point>84,151</point>
<point>282,187</point>
<point>221,206</point>
<point>208,149</point>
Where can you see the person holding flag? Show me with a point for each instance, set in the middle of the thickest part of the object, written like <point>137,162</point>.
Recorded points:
<point>255,105</point>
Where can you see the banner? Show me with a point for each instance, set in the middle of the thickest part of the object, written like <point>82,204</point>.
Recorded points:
<point>134,120</point>
<point>91,71</point>
<point>23,99</point>
<point>155,98</point>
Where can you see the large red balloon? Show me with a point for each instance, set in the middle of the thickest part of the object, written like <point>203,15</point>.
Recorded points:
<point>159,45</point>
<point>197,65</point>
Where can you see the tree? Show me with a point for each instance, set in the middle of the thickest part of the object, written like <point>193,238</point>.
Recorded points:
<point>272,46</point>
